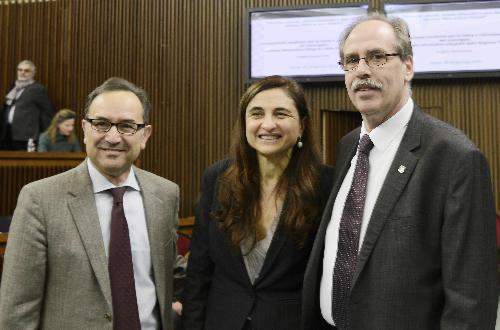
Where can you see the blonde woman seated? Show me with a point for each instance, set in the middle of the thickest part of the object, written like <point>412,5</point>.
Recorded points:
<point>60,136</point>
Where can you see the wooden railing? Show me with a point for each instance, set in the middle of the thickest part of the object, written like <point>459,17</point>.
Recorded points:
<point>186,225</point>
<point>19,168</point>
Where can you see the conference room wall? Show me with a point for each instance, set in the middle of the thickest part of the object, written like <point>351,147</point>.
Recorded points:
<point>189,57</point>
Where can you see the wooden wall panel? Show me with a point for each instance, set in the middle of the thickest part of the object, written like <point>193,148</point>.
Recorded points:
<point>188,55</point>
<point>334,125</point>
<point>20,168</point>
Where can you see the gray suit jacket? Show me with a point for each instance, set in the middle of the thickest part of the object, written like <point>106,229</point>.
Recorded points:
<point>428,260</point>
<point>56,271</point>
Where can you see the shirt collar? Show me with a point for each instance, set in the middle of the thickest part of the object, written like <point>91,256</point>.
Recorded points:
<point>100,183</point>
<point>383,134</point>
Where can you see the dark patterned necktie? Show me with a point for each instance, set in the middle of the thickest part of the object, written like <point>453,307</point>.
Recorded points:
<point>350,227</point>
<point>121,269</point>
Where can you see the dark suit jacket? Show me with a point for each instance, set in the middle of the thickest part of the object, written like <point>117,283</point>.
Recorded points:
<point>428,260</point>
<point>33,114</point>
<point>218,294</point>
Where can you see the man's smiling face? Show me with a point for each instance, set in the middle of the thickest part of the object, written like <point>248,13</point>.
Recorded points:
<point>113,153</point>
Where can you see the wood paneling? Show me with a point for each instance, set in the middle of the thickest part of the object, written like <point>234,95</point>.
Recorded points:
<point>186,226</point>
<point>20,168</point>
<point>188,55</point>
<point>334,125</point>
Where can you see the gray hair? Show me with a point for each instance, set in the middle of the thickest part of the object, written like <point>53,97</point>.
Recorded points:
<point>30,63</point>
<point>399,26</point>
<point>115,84</point>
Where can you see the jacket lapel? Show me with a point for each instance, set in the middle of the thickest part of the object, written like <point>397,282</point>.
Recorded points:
<point>236,259</point>
<point>275,247</point>
<point>397,178</point>
<point>341,168</point>
<point>156,231</point>
<point>159,239</point>
<point>82,206</point>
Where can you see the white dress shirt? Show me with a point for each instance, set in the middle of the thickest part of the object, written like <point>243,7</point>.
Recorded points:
<point>386,139</point>
<point>10,117</point>
<point>139,241</point>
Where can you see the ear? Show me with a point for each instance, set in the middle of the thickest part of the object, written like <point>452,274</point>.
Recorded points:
<point>302,124</point>
<point>84,122</point>
<point>146,133</point>
<point>408,67</point>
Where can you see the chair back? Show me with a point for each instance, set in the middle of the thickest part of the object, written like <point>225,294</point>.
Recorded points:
<point>183,242</point>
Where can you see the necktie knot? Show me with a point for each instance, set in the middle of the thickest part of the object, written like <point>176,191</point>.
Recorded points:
<point>365,144</point>
<point>118,194</point>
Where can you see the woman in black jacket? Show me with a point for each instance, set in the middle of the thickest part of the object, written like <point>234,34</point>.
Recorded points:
<point>257,216</point>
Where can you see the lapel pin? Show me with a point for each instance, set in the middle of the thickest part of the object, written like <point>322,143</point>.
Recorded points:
<point>401,169</point>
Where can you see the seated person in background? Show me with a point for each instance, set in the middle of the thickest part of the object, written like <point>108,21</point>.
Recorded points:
<point>60,136</point>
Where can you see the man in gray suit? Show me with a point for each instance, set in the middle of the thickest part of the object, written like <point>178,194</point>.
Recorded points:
<point>58,271</point>
<point>412,244</point>
<point>27,111</point>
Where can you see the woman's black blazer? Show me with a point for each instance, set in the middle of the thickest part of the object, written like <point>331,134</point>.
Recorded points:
<point>218,294</point>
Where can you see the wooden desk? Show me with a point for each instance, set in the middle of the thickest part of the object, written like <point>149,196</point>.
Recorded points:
<point>19,168</point>
<point>3,242</point>
<point>186,225</point>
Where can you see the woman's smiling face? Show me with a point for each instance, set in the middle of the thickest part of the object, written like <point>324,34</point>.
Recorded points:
<point>272,123</point>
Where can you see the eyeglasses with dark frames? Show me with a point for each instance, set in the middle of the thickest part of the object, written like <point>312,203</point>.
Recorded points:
<point>374,59</point>
<point>103,126</point>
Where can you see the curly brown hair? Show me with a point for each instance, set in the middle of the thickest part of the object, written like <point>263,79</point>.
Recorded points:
<point>239,186</point>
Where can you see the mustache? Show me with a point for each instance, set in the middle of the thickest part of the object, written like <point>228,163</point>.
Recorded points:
<point>366,83</point>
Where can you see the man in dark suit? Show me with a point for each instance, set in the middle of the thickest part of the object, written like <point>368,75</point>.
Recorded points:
<point>414,246</point>
<point>27,110</point>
